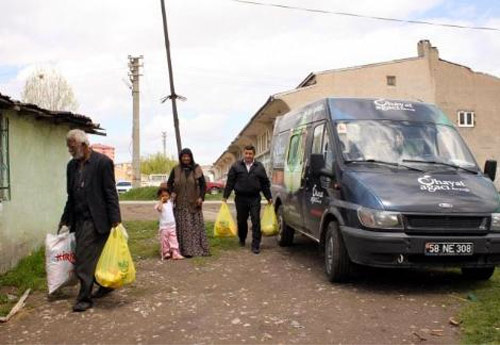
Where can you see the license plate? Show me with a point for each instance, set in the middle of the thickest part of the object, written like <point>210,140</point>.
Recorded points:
<point>449,249</point>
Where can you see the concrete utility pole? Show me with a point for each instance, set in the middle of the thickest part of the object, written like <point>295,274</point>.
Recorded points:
<point>164,139</point>
<point>173,96</point>
<point>134,65</point>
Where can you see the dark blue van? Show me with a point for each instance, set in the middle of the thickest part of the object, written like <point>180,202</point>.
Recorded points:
<point>384,183</point>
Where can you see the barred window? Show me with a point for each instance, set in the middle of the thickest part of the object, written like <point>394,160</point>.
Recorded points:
<point>4,159</point>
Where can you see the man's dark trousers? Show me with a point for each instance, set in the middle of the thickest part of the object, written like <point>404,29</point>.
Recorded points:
<point>248,205</point>
<point>89,245</point>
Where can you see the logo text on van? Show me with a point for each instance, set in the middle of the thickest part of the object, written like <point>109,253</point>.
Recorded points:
<point>427,183</point>
<point>385,105</point>
<point>317,196</point>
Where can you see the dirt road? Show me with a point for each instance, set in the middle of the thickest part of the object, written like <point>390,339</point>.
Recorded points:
<point>279,296</point>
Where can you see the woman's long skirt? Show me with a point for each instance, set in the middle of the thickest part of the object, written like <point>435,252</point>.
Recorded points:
<point>191,232</point>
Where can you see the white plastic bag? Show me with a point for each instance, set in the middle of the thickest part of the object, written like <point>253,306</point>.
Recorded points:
<point>59,260</point>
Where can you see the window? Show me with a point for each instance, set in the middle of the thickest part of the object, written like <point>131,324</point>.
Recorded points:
<point>263,142</point>
<point>279,149</point>
<point>327,151</point>
<point>317,137</point>
<point>391,80</point>
<point>296,148</point>
<point>293,149</point>
<point>4,159</point>
<point>465,119</point>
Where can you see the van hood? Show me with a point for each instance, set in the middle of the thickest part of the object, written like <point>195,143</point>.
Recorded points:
<point>426,192</point>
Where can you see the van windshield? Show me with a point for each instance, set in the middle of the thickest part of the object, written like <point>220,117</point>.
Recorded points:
<point>402,141</point>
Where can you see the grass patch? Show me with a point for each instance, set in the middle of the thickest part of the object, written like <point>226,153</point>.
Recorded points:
<point>140,194</point>
<point>143,238</point>
<point>213,197</point>
<point>29,273</point>
<point>481,318</point>
<point>144,243</point>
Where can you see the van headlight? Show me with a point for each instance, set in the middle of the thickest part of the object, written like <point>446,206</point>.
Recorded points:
<point>382,219</point>
<point>495,222</point>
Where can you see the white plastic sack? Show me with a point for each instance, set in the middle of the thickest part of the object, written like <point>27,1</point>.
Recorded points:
<point>59,260</point>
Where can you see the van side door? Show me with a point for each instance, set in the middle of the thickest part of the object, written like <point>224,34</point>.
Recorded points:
<point>293,177</point>
<point>319,188</point>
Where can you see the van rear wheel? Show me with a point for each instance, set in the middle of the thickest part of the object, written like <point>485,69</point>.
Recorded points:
<point>285,232</point>
<point>337,262</point>
<point>478,273</point>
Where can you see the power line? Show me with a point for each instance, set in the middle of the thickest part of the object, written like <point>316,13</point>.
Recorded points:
<point>420,22</point>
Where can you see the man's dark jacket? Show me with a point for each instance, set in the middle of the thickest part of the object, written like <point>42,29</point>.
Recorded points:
<point>246,183</point>
<point>100,192</point>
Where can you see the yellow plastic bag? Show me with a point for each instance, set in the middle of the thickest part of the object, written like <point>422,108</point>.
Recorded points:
<point>115,267</point>
<point>224,223</point>
<point>269,222</point>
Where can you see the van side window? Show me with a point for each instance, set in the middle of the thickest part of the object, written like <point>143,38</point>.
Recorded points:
<point>279,149</point>
<point>293,150</point>
<point>317,139</point>
<point>327,150</point>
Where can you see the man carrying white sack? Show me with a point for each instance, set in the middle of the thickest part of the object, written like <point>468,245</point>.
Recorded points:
<point>91,210</point>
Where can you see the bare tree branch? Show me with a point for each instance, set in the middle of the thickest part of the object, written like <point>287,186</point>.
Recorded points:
<point>48,89</point>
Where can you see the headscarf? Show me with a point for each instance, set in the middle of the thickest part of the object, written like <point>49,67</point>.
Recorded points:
<point>190,167</point>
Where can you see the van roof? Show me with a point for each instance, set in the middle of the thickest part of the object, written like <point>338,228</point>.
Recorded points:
<point>385,109</point>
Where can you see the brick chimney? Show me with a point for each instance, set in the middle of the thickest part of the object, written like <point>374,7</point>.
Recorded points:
<point>425,49</point>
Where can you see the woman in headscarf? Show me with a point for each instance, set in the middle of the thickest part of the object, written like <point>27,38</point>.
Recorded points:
<point>187,184</point>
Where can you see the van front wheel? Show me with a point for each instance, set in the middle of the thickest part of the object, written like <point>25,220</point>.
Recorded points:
<point>478,273</point>
<point>337,262</point>
<point>285,232</point>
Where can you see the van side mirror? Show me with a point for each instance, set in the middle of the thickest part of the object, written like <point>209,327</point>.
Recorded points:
<point>490,169</point>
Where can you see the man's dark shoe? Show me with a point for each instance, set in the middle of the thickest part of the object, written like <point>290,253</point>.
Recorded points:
<point>256,250</point>
<point>242,243</point>
<point>102,292</point>
<point>82,306</point>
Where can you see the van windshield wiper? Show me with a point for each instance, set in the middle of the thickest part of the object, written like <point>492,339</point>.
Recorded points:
<point>443,164</point>
<point>394,164</point>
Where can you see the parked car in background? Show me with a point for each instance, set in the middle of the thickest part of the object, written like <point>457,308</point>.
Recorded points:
<point>215,187</point>
<point>123,186</point>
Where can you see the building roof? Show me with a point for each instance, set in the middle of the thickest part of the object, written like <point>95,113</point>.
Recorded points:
<point>77,120</point>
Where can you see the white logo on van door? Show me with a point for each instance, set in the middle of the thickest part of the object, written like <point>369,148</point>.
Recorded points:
<point>317,196</point>
<point>427,183</point>
<point>385,105</point>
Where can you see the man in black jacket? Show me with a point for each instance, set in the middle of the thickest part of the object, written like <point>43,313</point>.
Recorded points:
<point>248,178</point>
<point>91,210</point>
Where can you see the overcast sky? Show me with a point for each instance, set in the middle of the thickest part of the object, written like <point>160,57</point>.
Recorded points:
<point>228,57</point>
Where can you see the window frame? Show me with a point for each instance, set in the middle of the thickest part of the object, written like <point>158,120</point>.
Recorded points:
<point>321,127</point>
<point>4,159</point>
<point>466,123</point>
<point>391,80</point>
<point>329,154</point>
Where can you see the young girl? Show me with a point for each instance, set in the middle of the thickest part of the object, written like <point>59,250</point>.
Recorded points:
<point>169,246</point>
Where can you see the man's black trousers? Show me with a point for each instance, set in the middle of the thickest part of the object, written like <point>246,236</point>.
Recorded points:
<point>89,245</point>
<point>245,206</point>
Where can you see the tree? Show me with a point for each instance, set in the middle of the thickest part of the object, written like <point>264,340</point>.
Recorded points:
<point>48,89</point>
<point>157,164</point>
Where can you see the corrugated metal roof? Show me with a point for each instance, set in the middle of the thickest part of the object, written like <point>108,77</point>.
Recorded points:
<point>79,121</point>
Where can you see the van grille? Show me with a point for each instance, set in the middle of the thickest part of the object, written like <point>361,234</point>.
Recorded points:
<point>445,223</point>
